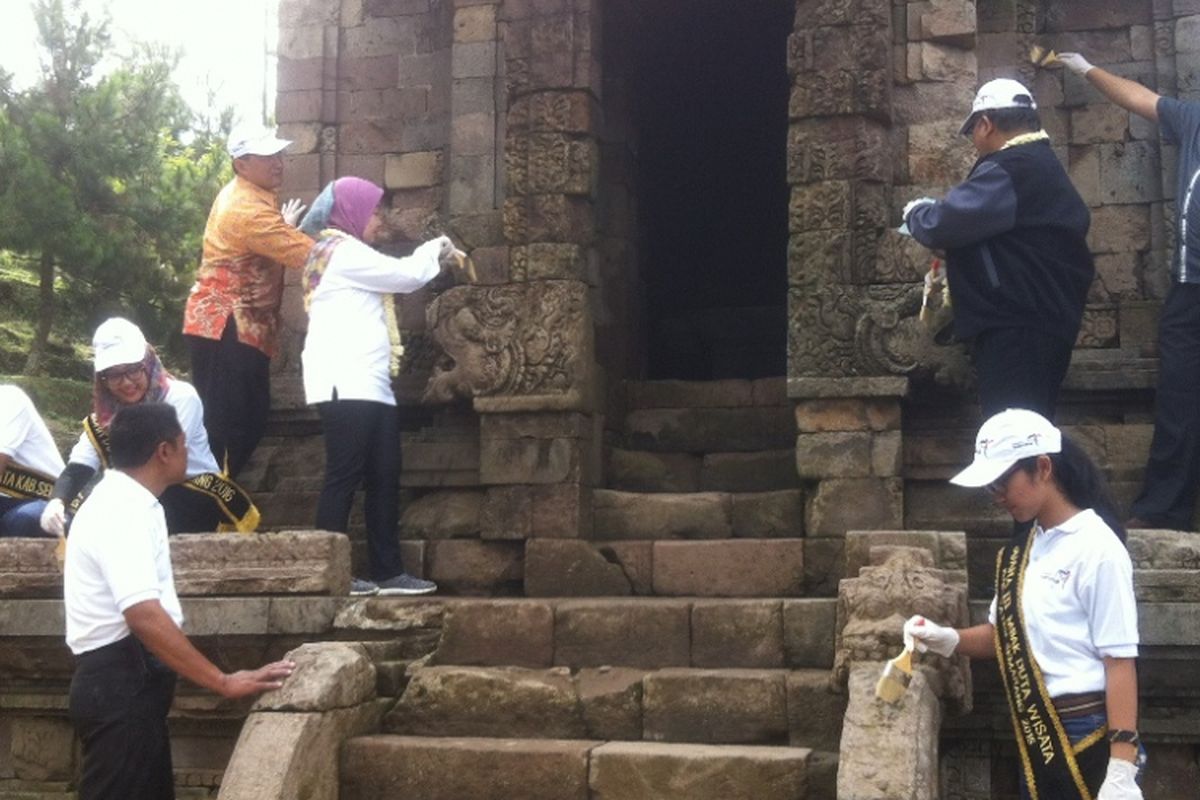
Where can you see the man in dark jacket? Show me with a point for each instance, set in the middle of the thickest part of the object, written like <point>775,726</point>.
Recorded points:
<point>1014,233</point>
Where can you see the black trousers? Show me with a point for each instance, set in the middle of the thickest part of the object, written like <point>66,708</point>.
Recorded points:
<point>1168,496</point>
<point>120,696</point>
<point>234,382</point>
<point>1020,368</point>
<point>188,511</point>
<point>362,448</point>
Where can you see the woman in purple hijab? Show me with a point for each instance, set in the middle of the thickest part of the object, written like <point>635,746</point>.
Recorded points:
<point>350,351</point>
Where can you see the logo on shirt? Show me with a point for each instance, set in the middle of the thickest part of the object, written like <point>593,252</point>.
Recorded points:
<point>1059,577</point>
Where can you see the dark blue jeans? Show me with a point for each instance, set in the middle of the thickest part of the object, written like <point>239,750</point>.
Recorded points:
<point>1079,728</point>
<point>21,517</point>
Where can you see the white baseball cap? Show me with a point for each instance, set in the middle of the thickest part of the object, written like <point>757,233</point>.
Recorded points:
<point>255,140</point>
<point>1004,440</point>
<point>118,341</point>
<point>997,94</point>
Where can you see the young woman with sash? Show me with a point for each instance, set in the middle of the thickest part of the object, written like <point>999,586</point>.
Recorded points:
<point>1063,623</point>
<point>128,372</point>
<point>29,462</point>
<point>351,355</point>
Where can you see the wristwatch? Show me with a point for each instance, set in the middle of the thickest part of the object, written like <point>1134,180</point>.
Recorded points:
<point>1119,736</point>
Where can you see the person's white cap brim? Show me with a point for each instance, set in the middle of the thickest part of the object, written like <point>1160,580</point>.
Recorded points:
<point>118,341</point>
<point>1004,440</point>
<point>255,142</point>
<point>997,94</point>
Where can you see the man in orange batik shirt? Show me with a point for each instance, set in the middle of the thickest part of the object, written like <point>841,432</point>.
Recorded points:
<point>231,320</point>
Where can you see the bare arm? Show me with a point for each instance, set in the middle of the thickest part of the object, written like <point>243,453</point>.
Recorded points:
<point>1129,95</point>
<point>977,641</point>
<point>162,637</point>
<point>1121,702</point>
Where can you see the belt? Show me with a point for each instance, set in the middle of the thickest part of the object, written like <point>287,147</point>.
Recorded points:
<point>1070,706</point>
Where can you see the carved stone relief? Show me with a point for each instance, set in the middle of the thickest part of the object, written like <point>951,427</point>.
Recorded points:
<point>531,340</point>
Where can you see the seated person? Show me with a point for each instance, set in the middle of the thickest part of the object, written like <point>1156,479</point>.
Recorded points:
<point>29,462</point>
<point>128,372</point>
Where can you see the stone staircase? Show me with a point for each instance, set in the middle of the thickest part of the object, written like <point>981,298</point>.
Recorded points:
<point>678,653</point>
<point>613,698</point>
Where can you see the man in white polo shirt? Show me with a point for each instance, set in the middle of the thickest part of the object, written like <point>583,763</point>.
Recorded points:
<point>29,464</point>
<point>124,618</point>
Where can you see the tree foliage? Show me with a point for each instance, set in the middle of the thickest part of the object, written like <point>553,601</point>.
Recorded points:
<point>106,176</point>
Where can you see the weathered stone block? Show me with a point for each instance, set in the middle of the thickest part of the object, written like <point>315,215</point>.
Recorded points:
<point>809,632</point>
<point>889,750</point>
<point>948,20</point>
<point>30,568</point>
<point>1130,173</point>
<point>379,766</point>
<point>765,471</point>
<point>381,36</point>
<point>497,702</point>
<point>329,675</point>
<point>942,63</point>
<point>729,568</point>
<point>281,755</point>
<point>548,511</point>
<point>612,702</point>
<point>635,633</point>
<point>298,106</point>
<point>497,633</point>
<point>636,560</point>
<point>373,72</point>
<point>42,749</point>
<point>834,455</point>
<point>839,148</point>
<point>640,471</point>
<point>728,706</point>
<point>473,134</point>
<point>839,505</point>
<point>550,261</point>
<point>746,634</point>
<point>691,394</point>
<point>443,515</point>
<point>1098,124</point>
<point>765,515</point>
<point>847,414</point>
<point>824,566</point>
<point>475,24</point>
<point>291,562</point>
<point>625,515</point>
<point>815,711</point>
<point>413,170</point>
<point>571,568</point>
<point>472,567</point>
<point>936,154</point>
<point>1119,229</point>
<point>647,771</point>
<point>711,430</point>
<point>302,42</point>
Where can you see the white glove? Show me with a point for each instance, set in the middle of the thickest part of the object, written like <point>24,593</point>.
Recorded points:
<point>925,635</point>
<point>1075,62</point>
<point>920,201</point>
<point>1119,782</point>
<point>446,247</point>
<point>292,211</point>
<point>54,518</point>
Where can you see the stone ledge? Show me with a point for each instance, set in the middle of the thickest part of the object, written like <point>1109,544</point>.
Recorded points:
<point>806,388</point>
<point>284,563</point>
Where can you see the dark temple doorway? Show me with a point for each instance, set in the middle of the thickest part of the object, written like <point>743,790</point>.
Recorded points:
<point>708,99</point>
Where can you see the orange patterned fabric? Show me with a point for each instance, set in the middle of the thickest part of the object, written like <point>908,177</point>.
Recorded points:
<point>246,247</point>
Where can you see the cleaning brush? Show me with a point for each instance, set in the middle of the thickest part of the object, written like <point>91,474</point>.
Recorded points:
<point>897,674</point>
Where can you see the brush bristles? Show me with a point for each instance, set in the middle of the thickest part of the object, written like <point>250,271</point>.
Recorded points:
<point>892,683</point>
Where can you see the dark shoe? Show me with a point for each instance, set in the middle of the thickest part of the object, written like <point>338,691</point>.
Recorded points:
<point>363,588</point>
<point>407,585</point>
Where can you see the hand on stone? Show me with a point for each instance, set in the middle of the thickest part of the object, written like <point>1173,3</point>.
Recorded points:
<point>292,211</point>
<point>1119,781</point>
<point>923,636</point>
<point>1075,62</point>
<point>247,683</point>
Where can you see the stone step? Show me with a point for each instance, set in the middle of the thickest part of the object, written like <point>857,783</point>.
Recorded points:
<point>706,706</point>
<point>620,515</point>
<point>643,471</point>
<point>713,568</point>
<point>706,394</point>
<point>421,768</point>
<point>646,633</point>
<point>710,430</point>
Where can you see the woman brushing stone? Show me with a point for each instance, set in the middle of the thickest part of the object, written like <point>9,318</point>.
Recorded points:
<point>351,353</point>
